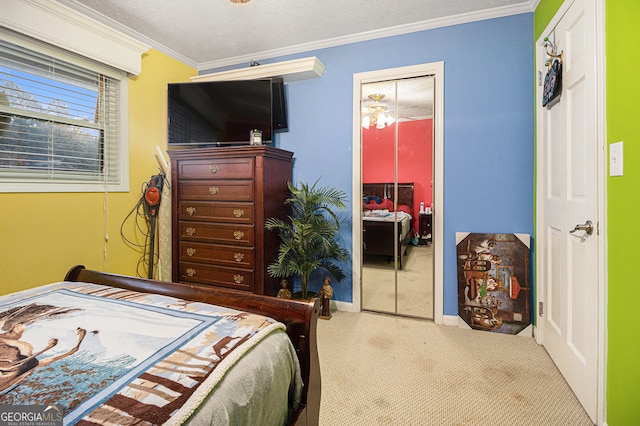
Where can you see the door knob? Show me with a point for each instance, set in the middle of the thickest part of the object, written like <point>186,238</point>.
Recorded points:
<point>586,227</point>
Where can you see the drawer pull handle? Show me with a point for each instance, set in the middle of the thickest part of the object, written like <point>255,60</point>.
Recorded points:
<point>190,210</point>
<point>190,231</point>
<point>191,251</point>
<point>238,235</point>
<point>213,169</point>
<point>239,257</point>
<point>238,213</point>
<point>213,190</point>
<point>191,272</point>
<point>238,279</point>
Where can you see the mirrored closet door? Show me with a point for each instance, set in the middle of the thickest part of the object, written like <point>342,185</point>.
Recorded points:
<point>397,178</point>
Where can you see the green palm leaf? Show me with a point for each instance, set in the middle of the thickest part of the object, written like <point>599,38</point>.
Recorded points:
<point>307,238</point>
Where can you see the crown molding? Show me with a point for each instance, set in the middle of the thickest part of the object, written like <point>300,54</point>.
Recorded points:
<point>96,17</point>
<point>61,26</point>
<point>430,24</point>
<point>99,17</point>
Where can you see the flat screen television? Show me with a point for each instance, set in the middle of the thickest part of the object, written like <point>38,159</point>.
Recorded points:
<point>220,113</point>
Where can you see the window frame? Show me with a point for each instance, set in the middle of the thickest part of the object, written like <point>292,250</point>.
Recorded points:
<point>30,184</point>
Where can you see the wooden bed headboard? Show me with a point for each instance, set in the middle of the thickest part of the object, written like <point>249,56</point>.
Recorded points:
<point>405,191</point>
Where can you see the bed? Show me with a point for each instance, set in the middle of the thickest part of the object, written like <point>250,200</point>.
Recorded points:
<point>105,348</point>
<point>381,236</point>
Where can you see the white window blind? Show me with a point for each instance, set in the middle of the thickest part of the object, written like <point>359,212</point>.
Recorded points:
<point>59,122</point>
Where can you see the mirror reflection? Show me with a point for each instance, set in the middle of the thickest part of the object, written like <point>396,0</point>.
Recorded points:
<point>397,169</point>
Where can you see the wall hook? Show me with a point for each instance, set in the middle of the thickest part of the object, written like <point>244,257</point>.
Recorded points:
<point>553,53</point>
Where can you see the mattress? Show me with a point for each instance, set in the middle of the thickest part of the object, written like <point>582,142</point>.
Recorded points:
<point>403,219</point>
<point>106,355</point>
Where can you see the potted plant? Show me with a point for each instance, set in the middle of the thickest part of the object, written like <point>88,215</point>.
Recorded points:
<point>308,237</point>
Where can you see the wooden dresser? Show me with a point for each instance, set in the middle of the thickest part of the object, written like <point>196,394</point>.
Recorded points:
<point>221,198</point>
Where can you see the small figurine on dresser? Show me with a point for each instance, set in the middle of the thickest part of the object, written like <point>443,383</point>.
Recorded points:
<point>326,292</point>
<point>284,292</point>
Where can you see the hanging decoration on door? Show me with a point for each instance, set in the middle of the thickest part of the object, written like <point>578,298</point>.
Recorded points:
<point>552,84</point>
<point>493,282</point>
<point>553,80</point>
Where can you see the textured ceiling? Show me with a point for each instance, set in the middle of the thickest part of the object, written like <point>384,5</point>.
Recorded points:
<point>210,33</point>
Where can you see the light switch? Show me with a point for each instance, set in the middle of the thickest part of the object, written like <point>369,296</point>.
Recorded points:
<point>616,159</point>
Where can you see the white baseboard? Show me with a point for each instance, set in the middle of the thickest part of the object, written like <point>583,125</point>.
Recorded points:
<point>451,320</point>
<point>342,306</point>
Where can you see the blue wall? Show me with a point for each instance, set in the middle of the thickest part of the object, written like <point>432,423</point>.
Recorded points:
<point>488,126</point>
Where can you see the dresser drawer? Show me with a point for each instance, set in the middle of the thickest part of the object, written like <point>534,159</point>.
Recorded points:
<point>232,256</point>
<point>238,279</point>
<point>236,212</point>
<point>216,190</point>
<point>223,168</point>
<point>220,197</point>
<point>216,233</point>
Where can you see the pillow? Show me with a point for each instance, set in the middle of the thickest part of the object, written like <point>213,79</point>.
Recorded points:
<point>367,199</point>
<point>385,204</point>
<point>405,208</point>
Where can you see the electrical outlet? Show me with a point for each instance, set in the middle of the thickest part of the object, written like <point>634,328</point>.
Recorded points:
<point>616,159</point>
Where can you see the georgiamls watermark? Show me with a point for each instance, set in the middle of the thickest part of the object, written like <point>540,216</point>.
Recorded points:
<point>30,415</point>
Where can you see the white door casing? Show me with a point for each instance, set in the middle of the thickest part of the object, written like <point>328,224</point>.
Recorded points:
<point>569,193</point>
<point>437,70</point>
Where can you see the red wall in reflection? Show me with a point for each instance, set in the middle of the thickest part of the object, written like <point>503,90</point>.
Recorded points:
<point>415,157</point>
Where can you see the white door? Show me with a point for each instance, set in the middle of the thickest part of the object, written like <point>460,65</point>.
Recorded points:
<point>397,146</point>
<point>568,195</point>
<point>435,69</point>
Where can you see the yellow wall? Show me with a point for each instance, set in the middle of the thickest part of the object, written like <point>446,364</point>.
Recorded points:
<point>43,234</point>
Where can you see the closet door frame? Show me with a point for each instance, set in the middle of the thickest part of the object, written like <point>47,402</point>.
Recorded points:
<point>435,69</point>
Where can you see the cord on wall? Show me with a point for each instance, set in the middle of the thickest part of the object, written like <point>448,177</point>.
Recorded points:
<point>144,215</point>
<point>105,205</point>
<point>105,220</point>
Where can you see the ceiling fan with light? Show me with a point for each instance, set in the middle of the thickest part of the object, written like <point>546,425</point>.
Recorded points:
<point>375,114</point>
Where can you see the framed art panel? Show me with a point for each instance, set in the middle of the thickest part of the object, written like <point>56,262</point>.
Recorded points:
<point>494,291</point>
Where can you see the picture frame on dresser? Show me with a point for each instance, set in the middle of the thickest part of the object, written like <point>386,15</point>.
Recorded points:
<point>221,197</point>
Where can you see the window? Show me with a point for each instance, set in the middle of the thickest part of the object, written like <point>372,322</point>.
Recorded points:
<point>61,120</point>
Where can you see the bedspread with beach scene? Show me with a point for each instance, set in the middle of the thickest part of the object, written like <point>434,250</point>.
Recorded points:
<point>108,355</point>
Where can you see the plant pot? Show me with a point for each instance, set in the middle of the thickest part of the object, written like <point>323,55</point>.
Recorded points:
<point>298,295</point>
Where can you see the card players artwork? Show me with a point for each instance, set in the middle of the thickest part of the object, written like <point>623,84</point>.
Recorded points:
<point>494,274</point>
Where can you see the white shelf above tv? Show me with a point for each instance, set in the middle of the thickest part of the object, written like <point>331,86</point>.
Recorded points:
<point>294,70</point>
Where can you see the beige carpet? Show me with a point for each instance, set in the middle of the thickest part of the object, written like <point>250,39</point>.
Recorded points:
<point>384,370</point>
<point>415,284</point>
